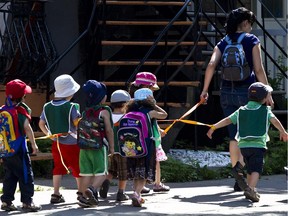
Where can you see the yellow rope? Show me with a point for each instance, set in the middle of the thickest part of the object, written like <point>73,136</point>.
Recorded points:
<point>185,114</point>
<point>58,146</point>
<point>62,161</point>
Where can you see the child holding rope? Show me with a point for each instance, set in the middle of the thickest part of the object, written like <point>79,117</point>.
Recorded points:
<point>60,116</point>
<point>253,121</point>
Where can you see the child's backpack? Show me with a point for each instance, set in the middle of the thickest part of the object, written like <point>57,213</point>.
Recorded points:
<point>134,134</point>
<point>233,60</point>
<point>10,135</point>
<point>91,131</point>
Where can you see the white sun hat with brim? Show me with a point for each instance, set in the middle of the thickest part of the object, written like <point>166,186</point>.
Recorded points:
<point>65,86</point>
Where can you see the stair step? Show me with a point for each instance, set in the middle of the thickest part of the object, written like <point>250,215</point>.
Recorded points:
<point>150,3</point>
<point>169,104</point>
<point>172,83</point>
<point>151,63</point>
<point>192,13</point>
<point>150,43</point>
<point>280,112</point>
<point>149,23</point>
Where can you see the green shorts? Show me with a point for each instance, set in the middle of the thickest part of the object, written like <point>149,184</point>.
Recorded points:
<point>93,162</point>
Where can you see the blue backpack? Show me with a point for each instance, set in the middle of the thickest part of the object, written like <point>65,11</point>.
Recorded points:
<point>233,60</point>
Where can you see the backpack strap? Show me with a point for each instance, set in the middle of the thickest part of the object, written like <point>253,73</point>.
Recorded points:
<point>241,37</point>
<point>24,112</point>
<point>228,39</point>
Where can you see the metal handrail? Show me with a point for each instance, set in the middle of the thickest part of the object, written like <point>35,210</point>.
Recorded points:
<point>83,34</point>
<point>163,32</point>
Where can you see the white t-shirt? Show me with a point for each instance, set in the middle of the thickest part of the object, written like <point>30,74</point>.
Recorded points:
<point>116,117</point>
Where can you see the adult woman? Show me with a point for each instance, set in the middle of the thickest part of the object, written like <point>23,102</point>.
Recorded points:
<point>235,94</point>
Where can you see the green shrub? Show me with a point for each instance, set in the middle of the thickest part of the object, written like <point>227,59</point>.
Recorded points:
<point>175,171</point>
<point>276,155</point>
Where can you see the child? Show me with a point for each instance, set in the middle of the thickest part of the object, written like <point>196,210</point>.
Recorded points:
<point>149,80</point>
<point>253,121</point>
<point>143,169</point>
<point>61,116</point>
<point>94,162</point>
<point>18,167</point>
<point>118,164</point>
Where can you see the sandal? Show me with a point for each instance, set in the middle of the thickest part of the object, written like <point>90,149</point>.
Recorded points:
<point>8,207</point>
<point>137,200</point>
<point>56,199</point>
<point>31,207</point>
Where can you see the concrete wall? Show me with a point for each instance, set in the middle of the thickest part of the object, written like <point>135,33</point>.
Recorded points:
<point>62,21</point>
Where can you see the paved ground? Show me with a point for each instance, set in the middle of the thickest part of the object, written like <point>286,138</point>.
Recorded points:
<point>192,198</point>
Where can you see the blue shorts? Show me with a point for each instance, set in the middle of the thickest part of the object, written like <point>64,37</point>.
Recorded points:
<point>231,99</point>
<point>254,159</point>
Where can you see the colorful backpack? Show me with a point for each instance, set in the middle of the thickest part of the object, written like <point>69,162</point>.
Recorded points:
<point>233,60</point>
<point>134,134</point>
<point>10,136</point>
<point>91,131</point>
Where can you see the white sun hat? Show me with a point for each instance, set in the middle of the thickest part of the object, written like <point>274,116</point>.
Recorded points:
<point>65,86</point>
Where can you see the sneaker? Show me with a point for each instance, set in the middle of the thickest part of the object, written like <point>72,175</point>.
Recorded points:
<point>145,190</point>
<point>31,207</point>
<point>83,202</point>
<point>161,188</point>
<point>238,174</point>
<point>92,199</point>
<point>104,189</point>
<point>8,207</point>
<point>57,199</point>
<point>137,200</point>
<point>237,188</point>
<point>122,197</point>
<point>252,195</point>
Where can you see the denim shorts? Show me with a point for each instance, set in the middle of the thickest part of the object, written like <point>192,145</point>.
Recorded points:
<point>254,159</point>
<point>231,98</point>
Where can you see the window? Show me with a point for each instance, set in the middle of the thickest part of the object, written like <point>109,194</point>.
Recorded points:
<point>275,7</point>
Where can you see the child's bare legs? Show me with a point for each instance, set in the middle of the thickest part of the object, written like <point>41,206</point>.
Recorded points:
<point>57,183</point>
<point>97,181</point>
<point>158,186</point>
<point>158,173</point>
<point>56,197</point>
<point>84,183</point>
<point>250,192</point>
<point>235,153</point>
<point>122,185</point>
<point>138,185</point>
<point>237,164</point>
<point>252,179</point>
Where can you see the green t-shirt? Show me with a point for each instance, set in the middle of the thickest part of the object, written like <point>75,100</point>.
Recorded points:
<point>253,121</point>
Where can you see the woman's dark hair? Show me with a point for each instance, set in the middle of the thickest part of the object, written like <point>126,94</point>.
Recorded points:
<point>236,17</point>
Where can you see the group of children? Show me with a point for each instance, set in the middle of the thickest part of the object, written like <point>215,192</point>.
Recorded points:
<point>94,169</point>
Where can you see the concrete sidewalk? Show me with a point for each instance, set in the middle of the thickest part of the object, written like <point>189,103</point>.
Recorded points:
<point>190,198</point>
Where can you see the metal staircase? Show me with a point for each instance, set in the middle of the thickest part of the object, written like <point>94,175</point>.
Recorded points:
<point>26,44</point>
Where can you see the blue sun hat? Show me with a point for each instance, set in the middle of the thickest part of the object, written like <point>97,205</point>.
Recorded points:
<point>95,91</point>
<point>142,94</point>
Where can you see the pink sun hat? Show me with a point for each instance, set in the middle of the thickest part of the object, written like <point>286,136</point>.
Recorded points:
<point>146,78</point>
